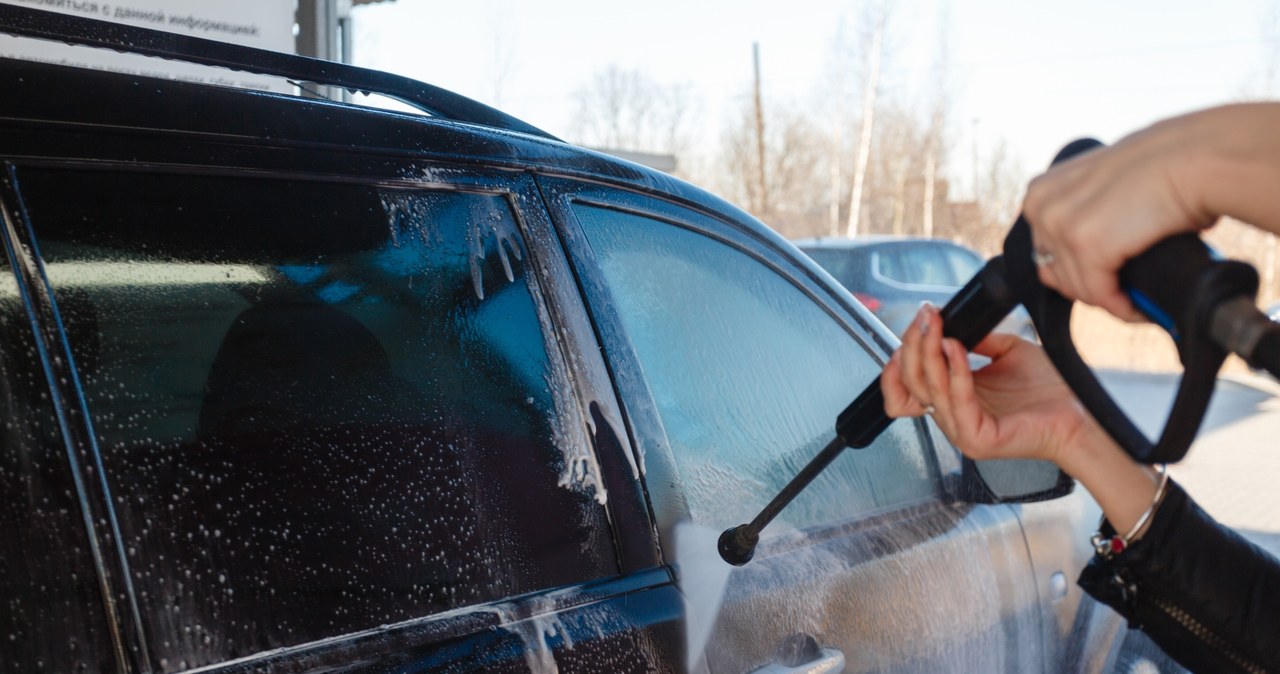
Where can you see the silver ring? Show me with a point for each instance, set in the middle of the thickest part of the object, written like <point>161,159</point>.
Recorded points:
<point>930,409</point>
<point>1042,259</point>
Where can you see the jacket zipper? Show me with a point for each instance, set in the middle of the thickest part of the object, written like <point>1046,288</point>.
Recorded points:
<point>1192,626</point>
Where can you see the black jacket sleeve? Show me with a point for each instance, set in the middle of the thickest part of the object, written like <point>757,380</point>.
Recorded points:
<point>1207,596</point>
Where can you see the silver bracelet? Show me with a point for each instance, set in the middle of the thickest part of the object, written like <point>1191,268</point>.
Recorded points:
<point>1110,546</point>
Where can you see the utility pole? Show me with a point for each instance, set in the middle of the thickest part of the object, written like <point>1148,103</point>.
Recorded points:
<point>762,198</point>
<point>868,120</point>
<point>930,175</point>
<point>974,137</point>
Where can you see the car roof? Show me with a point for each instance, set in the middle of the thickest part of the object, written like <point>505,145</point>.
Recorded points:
<point>465,132</point>
<point>90,32</point>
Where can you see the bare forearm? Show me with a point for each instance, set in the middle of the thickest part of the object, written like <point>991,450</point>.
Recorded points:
<point>1231,162</point>
<point>1123,487</point>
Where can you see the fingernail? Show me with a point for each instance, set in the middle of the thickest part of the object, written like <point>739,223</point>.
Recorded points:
<point>924,319</point>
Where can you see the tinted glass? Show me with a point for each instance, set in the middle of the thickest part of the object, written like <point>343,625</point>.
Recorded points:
<point>847,265</point>
<point>748,374</point>
<point>916,264</point>
<point>323,407</point>
<point>51,612</point>
<point>963,263</point>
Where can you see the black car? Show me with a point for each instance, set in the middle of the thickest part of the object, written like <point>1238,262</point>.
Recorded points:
<point>894,275</point>
<point>291,385</point>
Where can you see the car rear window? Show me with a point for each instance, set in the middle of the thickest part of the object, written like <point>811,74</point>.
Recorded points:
<point>914,265</point>
<point>847,265</point>
<point>924,263</point>
<point>964,264</point>
<point>322,407</point>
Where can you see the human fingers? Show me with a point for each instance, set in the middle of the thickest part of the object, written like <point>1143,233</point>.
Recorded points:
<point>1103,290</point>
<point>1087,257</point>
<point>996,345</point>
<point>964,418</point>
<point>910,356</point>
<point>1095,211</point>
<point>1057,265</point>
<point>1054,207</point>
<point>1095,285</point>
<point>988,420</point>
<point>933,365</point>
<point>898,401</point>
<point>1091,277</point>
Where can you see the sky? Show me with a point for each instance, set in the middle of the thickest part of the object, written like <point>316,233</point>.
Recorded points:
<point>1030,75</point>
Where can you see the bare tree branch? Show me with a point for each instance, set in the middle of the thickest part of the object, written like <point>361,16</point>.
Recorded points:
<point>627,110</point>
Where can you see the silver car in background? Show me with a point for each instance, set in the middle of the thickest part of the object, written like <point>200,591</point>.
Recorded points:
<point>892,276</point>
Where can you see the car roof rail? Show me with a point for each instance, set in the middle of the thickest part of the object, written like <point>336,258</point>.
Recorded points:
<point>433,100</point>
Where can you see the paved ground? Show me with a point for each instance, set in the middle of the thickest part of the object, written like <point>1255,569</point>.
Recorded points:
<point>1233,469</point>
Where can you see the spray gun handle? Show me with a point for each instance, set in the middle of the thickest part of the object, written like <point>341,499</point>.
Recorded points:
<point>1180,282</point>
<point>1177,283</point>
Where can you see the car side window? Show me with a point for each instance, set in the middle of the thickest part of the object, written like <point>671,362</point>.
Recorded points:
<point>322,407</point>
<point>52,617</point>
<point>920,265</point>
<point>848,266</point>
<point>963,264</point>
<point>748,374</point>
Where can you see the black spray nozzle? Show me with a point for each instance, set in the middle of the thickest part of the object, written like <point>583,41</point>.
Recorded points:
<point>738,545</point>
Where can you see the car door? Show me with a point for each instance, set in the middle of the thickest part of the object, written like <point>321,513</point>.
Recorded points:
<point>322,400</point>
<point>733,363</point>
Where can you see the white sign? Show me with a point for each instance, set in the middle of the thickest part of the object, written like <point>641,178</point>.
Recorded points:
<point>266,24</point>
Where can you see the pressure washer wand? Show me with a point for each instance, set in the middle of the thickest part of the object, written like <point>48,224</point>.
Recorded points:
<point>969,316</point>
<point>1205,303</point>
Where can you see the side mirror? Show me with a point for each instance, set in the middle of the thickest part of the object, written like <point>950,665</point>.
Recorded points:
<point>1011,481</point>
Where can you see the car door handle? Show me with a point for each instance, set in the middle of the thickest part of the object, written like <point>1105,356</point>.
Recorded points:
<point>829,661</point>
<point>800,654</point>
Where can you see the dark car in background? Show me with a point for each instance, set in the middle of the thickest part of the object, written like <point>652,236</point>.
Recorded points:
<point>291,385</point>
<point>892,276</point>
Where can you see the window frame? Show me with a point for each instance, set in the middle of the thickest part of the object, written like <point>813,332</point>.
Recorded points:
<point>34,295</point>
<point>564,326</point>
<point>662,480</point>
